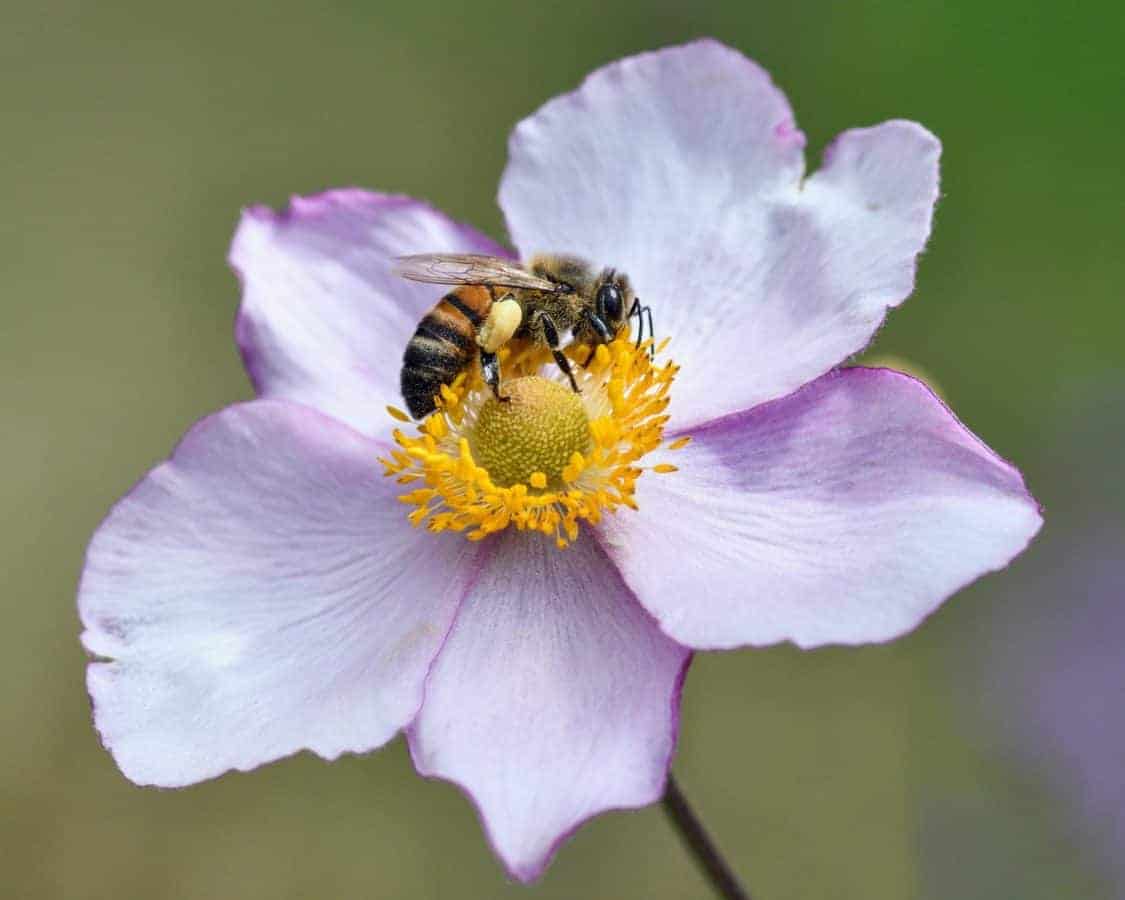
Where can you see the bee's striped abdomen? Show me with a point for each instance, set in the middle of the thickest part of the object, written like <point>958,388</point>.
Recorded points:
<point>443,345</point>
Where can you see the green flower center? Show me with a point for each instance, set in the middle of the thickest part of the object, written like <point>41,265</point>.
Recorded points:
<point>532,436</point>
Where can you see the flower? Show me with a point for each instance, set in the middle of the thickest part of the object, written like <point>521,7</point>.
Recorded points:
<point>263,591</point>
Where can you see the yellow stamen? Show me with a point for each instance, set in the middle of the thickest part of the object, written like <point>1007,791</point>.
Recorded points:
<point>545,459</point>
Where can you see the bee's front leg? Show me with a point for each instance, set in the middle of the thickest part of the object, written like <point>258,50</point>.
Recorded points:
<point>551,334</point>
<point>490,370</point>
<point>644,313</point>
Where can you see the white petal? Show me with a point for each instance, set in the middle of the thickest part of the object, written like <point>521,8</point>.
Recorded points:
<point>258,594</point>
<point>324,321</point>
<point>556,697</point>
<point>683,168</point>
<point>844,513</point>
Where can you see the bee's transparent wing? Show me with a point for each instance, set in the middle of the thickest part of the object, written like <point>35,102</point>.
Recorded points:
<point>469,268</point>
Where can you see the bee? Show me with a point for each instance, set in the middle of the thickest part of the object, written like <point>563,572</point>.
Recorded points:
<point>546,301</point>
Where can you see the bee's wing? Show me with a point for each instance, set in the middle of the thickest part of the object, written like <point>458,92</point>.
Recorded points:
<point>469,268</point>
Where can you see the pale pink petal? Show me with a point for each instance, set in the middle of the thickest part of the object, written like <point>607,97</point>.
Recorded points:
<point>555,697</point>
<point>684,169</point>
<point>844,513</point>
<point>324,321</point>
<point>258,594</point>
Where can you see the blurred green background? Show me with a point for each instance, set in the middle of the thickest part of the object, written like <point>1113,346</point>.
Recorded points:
<point>133,133</point>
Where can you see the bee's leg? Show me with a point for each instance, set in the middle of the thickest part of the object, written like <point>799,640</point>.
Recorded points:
<point>635,310</point>
<point>490,370</point>
<point>642,313</point>
<point>551,333</point>
<point>564,364</point>
<point>599,327</point>
<point>602,334</point>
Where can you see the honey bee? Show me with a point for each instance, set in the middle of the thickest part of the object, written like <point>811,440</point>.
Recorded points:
<point>495,300</point>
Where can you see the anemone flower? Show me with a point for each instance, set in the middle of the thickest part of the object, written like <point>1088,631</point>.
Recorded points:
<point>297,574</point>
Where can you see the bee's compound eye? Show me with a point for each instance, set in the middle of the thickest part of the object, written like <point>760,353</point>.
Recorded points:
<point>609,303</point>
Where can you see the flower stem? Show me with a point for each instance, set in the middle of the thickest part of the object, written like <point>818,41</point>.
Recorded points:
<point>696,839</point>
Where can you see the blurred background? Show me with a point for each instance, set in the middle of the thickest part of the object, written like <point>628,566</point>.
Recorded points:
<point>981,757</point>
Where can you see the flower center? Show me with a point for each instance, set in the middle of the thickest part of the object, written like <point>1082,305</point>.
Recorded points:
<point>537,429</point>
<point>547,457</point>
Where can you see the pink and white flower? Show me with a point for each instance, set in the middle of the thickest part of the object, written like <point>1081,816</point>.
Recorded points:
<point>262,592</point>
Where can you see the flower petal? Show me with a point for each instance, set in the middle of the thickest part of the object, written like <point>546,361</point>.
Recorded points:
<point>683,168</point>
<point>844,513</point>
<point>555,697</point>
<point>258,594</point>
<point>323,320</point>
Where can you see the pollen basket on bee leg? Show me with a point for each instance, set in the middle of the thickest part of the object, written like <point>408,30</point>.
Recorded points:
<point>502,323</point>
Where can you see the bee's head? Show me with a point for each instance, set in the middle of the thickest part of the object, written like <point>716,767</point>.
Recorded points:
<point>613,299</point>
<point>606,297</point>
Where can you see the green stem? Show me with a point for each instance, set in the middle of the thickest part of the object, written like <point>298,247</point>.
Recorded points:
<point>700,845</point>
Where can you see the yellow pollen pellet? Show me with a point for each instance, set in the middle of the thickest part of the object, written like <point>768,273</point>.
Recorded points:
<point>665,468</point>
